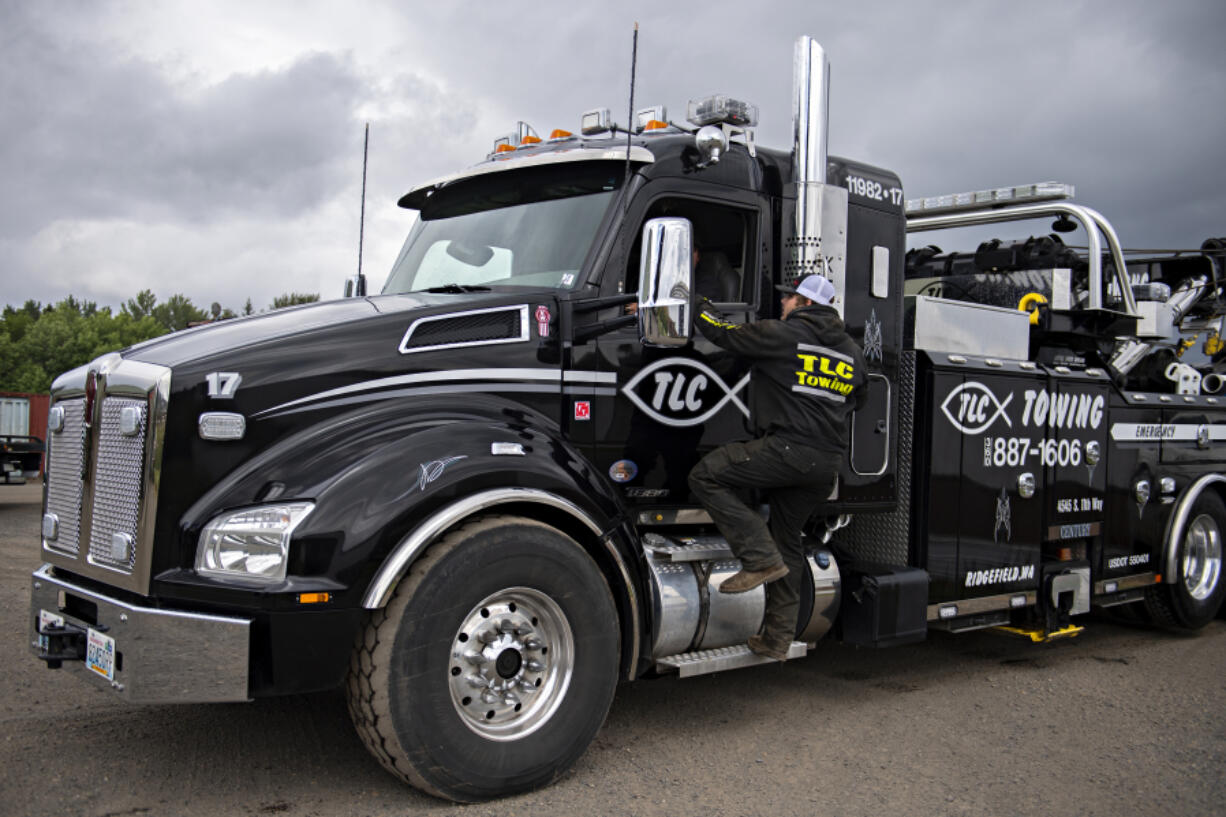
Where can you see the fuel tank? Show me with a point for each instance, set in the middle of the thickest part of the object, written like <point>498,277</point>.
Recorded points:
<point>689,613</point>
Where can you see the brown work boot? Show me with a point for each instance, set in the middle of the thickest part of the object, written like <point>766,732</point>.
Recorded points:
<point>747,580</point>
<point>762,647</point>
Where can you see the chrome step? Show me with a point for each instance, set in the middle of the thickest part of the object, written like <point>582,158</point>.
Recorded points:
<point>687,549</point>
<point>704,662</point>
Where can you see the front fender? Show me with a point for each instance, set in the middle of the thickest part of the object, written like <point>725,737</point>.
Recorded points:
<point>376,472</point>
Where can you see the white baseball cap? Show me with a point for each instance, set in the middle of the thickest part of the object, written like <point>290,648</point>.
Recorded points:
<point>817,288</point>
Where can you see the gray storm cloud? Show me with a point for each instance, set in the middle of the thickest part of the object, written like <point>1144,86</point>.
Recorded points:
<point>119,160</point>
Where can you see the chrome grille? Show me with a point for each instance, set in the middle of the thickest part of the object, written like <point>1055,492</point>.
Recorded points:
<point>102,484</point>
<point>117,483</point>
<point>66,450</point>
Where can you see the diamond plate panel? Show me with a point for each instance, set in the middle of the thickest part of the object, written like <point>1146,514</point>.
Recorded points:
<point>885,538</point>
<point>117,484</point>
<point>66,450</point>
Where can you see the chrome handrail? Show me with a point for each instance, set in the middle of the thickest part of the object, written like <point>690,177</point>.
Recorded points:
<point>1091,221</point>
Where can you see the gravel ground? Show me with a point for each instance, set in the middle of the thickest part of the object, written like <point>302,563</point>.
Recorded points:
<point>1119,721</point>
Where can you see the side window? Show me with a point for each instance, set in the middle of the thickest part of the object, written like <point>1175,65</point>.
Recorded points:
<point>725,270</point>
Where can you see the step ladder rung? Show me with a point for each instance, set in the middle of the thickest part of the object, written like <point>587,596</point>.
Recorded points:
<point>704,662</point>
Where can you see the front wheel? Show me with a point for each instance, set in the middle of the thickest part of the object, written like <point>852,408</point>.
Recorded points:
<point>493,665</point>
<point>1194,598</point>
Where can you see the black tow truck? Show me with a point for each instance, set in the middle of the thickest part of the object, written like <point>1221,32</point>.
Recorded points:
<point>465,498</point>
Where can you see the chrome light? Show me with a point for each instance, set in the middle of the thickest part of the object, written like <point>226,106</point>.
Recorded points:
<point>55,419</point>
<point>644,117</point>
<point>222,425</point>
<point>597,120</point>
<point>711,142</point>
<point>251,543</point>
<point>130,420</point>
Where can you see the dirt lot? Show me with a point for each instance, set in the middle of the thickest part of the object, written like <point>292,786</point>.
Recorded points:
<point>1119,721</point>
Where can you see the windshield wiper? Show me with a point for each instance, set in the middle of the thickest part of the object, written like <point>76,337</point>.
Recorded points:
<point>457,289</point>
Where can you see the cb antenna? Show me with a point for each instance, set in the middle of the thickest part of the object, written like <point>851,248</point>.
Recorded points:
<point>361,282</point>
<point>634,59</point>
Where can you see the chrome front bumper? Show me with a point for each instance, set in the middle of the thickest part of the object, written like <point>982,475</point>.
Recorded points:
<point>161,656</point>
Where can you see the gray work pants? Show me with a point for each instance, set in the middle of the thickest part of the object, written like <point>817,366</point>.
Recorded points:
<point>795,478</point>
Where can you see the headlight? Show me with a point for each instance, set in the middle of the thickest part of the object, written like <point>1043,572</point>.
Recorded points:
<point>252,543</point>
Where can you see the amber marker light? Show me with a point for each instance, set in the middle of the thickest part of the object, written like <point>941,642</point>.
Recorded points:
<point>314,598</point>
<point>528,141</point>
<point>559,134</point>
<point>655,124</point>
<point>504,148</point>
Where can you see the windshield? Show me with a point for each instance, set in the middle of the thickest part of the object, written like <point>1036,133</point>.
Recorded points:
<point>530,227</point>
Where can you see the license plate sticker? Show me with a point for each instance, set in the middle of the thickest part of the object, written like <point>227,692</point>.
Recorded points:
<point>47,619</point>
<point>100,654</point>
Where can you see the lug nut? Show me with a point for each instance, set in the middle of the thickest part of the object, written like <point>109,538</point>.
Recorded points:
<point>534,666</point>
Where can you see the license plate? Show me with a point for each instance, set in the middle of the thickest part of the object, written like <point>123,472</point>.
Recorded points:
<point>47,619</point>
<point>100,654</point>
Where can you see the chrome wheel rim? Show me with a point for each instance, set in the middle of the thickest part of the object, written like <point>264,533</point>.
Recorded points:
<point>1202,557</point>
<point>511,663</point>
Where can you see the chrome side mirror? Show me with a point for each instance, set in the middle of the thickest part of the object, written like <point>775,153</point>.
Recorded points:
<point>355,286</point>
<point>666,278</point>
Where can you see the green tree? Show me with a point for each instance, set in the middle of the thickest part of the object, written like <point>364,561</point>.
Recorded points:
<point>292,298</point>
<point>141,305</point>
<point>60,337</point>
<point>178,312</point>
<point>17,321</point>
<point>248,309</point>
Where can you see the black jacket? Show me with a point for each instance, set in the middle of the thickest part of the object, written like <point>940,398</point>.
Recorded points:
<point>808,374</point>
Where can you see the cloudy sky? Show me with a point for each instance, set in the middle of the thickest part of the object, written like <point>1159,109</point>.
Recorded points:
<point>214,148</point>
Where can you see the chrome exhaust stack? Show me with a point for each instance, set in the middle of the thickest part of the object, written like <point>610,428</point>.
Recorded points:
<point>818,239</point>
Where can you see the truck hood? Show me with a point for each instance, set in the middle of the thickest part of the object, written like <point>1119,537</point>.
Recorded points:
<point>230,336</point>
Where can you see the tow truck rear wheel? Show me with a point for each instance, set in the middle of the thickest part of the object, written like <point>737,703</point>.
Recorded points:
<point>1195,597</point>
<point>492,667</point>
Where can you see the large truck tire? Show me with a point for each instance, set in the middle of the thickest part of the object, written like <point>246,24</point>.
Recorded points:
<point>1195,597</point>
<point>493,665</point>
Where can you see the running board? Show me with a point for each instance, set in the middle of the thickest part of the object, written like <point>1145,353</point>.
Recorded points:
<point>705,662</point>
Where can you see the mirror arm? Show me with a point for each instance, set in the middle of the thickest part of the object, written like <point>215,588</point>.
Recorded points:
<point>604,327</point>
<point>597,304</point>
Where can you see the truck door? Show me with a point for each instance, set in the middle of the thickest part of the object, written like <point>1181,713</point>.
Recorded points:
<point>668,407</point>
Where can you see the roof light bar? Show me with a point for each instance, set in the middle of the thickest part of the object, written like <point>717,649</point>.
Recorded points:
<point>721,109</point>
<point>597,120</point>
<point>523,136</point>
<point>989,199</point>
<point>649,119</point>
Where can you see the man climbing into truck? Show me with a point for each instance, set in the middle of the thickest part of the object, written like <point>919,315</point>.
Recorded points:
<point>808,376</point>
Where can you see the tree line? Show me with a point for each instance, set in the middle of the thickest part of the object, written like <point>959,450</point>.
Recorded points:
<point>38,343</point>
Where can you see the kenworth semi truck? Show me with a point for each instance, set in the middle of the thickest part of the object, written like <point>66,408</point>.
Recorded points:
<point>465,500</point>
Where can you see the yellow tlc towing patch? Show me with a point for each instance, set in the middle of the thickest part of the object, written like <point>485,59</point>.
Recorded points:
<point>823,372</point>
